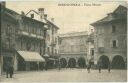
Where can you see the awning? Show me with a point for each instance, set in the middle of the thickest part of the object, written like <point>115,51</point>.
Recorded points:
<point>31,56</point>
<point>46,55</point>
<point>52,59</point>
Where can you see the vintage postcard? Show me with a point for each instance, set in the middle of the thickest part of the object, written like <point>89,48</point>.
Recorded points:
<point>63,41</point>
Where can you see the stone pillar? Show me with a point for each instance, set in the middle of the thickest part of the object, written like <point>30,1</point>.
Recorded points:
<point>76,62</point>
<point>15,63</point>
<point>1,65</point>
<point>38,66</point>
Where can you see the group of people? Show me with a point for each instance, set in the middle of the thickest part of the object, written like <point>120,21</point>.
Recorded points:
<point>10,70</point>
<point>99,68</point>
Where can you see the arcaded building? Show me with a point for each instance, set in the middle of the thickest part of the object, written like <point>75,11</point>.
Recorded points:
<point>73,49</point>
<point>110,39</point>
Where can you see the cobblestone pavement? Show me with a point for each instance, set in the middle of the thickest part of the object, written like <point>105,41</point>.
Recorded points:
<point>67,75</point>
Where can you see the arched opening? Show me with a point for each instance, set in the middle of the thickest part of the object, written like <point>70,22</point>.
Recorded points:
<point>118,62</point>
<point>81,62</point>
<point>72,63</point>
<point>104,62</point>
<point>63,62</point>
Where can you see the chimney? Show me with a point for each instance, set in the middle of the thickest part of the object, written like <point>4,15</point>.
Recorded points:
<point>3,4</point>
<point>41,13</point>
<point>52,19</point>
<point>32,15</point>
<point>22,13</point>
<point>45,16</point>
<point>91,30</point>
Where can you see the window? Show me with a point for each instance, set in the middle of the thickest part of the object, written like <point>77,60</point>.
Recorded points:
<point>92,51</point>
<point>113,29</point>
<point>114,43</point>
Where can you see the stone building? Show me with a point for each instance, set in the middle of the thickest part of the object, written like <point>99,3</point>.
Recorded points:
<point>110,39</point>
<point>51,40</point>
<point>22,41</point>
<point>73,49</point>
<point>9,25</point>
<point>90,48</point>
<point>52,31</point>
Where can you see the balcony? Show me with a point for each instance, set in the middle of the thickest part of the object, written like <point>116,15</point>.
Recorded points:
<point>31,35</point>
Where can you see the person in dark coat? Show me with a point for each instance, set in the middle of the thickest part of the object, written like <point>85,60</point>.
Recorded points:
<point>88,68</point>
<point>109,68</point>
<point>99,69</point>
<point>9,69</point>
<point>99,65</point>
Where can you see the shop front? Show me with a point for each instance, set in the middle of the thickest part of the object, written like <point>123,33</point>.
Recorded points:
<point>28,60</point>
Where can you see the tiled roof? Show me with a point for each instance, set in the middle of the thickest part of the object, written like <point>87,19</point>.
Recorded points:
<point>52,23</point>
<point>74,34</point>
<point>119,13</point>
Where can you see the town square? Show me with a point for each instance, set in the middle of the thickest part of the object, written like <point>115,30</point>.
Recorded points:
<point>46,42</point>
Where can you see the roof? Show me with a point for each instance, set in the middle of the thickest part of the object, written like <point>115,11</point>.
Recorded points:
<point>10,13</point>
<point>119,13</point>
<point>31,56</point>
<point>73,34</point>
<point>23,16</point>
<point>52,23</point>
<point>43,20</point>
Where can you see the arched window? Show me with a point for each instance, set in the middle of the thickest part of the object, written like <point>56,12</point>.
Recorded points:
<point>114,43</point>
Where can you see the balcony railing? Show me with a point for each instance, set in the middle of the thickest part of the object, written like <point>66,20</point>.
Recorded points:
<point>24,33</point>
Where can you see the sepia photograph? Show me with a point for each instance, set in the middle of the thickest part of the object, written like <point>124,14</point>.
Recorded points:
<point>63,41</point>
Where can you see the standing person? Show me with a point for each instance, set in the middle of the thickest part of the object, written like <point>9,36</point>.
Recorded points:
<point>99,65</point>
<point>99,69</point>
<point>88,68</point>
<point>7,68</point>
<point>109,68</point>
<point>11,70</point>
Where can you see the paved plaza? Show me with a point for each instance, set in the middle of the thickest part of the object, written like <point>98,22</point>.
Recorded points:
<point>67,75</point>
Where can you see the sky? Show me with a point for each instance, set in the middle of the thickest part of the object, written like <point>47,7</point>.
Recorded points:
<point>68,18</point>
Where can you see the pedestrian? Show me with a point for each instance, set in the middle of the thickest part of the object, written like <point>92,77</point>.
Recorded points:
<point>109,68</point>
<point>99,68</point>
<point>9,69</point>
<point>88,68</point>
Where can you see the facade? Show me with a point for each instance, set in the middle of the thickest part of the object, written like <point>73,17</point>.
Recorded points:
<point>90,48</point>
<point>9,26</point>
<point>73,49</point>
<point>51,36</point>
<point>52,39</point>
<point>22,41</point>
<point>110,39</point>
<point>51,42</point>
<point>31,38</point>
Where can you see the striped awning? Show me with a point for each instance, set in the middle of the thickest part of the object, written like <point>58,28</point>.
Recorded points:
<point>31,56</point>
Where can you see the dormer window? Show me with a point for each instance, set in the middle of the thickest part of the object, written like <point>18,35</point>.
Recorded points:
<point>32,15</point>
<point>113,28</point>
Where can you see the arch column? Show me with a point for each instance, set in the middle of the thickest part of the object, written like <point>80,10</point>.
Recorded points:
<point>103,61</point>
<point>118,62</point>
